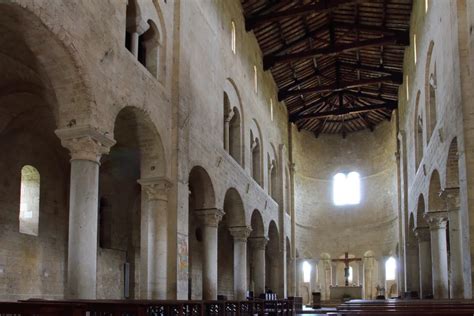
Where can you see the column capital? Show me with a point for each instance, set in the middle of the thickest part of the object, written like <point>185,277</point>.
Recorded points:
<point>422,234</point>
<point>210,216</point>
<point>436,220</point>
<point>156,188</point>
<point>258,243</point>
<point>85,142</point>
<point>240,233</point>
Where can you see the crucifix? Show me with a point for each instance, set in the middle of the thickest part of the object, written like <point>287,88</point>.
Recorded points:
<point>346,261</point>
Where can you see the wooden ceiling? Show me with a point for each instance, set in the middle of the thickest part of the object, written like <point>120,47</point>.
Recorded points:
<point>337,63</point>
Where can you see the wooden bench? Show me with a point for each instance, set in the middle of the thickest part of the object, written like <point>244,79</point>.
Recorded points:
<point>147,308</point>
<point>406,307</point>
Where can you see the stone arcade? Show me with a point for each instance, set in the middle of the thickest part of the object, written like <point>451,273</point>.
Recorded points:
<point>185,150</point>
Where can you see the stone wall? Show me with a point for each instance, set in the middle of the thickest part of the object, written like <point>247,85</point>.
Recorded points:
<point>323,227</point>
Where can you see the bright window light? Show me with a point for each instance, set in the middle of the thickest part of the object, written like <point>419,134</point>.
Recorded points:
<point>426,6</point>
<point>255,82</point>
<point>390,269</point>
<point>306,272</point>
<point>346,189</point>
<point>351,275</point>
<point>414,47</point>
<point>407,84</point>
<point>233,37</point>
<point>271,109</point>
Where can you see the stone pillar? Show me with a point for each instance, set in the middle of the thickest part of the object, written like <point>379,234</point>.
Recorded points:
<point>456,284</point>
<point>334,273</point>
<point>413,263</point>
<point>240,235</point>
<point>86,146</point>
<point>210,219</point>
<point>381,279</point>
<point>439,253</point>
<point>227,118</point>
<point>258,245</point>
<point>361,273</point>
<point>424,248</point>
<point>154,237</point>
<point>368,277</point>
<point>134,43</point>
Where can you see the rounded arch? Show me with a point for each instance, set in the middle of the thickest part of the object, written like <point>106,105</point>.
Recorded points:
<point>435,202</point>
<point>67,88</point>
<point>256,221</point>
<point>452,166</point>
<point>134,128</point>
<point>419,130</point>
<point>430,91</point>
<point>256,152</point>
<point>201,188</point>
<point>234,208</point>
<point>420,212</point>
<point>233,122</point>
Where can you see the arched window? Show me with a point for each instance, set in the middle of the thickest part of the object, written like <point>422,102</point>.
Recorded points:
<point>232,130</point>
<point>273,179</point>
<point>346,189</point>
<point>233,37</point>
<point>306,272</point>
<point>255,79</point>
<point>256,158</point>
<point>131,33</point>
<point>419,131</point>
<point>271,109</point>
<point>29,200</point>
<point>414,47</point>
<point>390,269</point>
<point>150,50</point>
<point>430,92</point>
<point>351,275</point>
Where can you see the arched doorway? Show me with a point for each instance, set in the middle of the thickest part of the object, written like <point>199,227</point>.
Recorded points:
<point>133,225</point>
<point>34,95</point>
<point>272,266</point>
<point>201,198</point>
<point>232,248</point>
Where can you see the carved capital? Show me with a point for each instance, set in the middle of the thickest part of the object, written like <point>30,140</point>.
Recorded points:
<point>422,234</point>
<point>258,243</point>
<point>85,142</point>
<point>210,216</point>
<point>436,220</point>
<point>156,188</point>
<point>240,233</point>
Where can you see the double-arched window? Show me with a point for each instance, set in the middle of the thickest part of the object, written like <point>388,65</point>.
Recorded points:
<point>29,200</point>
<point>346,189</point>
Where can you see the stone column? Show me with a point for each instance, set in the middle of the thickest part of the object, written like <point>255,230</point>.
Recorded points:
<point>413,263</point>
<point>240,235</point>
<point>210,220</point>
<point>439,253</point>
<point>334,273</point>
<point>258,245</point>
<point>361,273</point>
<point>456,284</point>
<point>134,43</point>
<point>154,237</point>
<point>381,279</point>
<point>86,146</point>
<point>227,118</point>
<point>368,277</point>
<point>424,248</point>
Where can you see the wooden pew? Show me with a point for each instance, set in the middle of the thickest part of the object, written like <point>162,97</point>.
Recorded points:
<point>406,307</point>
<point>147,307</point>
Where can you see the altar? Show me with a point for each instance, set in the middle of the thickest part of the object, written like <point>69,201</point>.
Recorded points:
<point>340,292</point>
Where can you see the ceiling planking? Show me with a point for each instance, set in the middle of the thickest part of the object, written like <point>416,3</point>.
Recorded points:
<point>337,63</point>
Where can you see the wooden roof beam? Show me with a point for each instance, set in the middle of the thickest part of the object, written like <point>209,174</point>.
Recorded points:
<point>343,111</point>
<point>399,39</point>
<point>252,22</point>
<point>343,86</point>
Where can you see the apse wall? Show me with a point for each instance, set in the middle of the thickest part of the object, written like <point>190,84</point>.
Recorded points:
<point>322,227</point>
